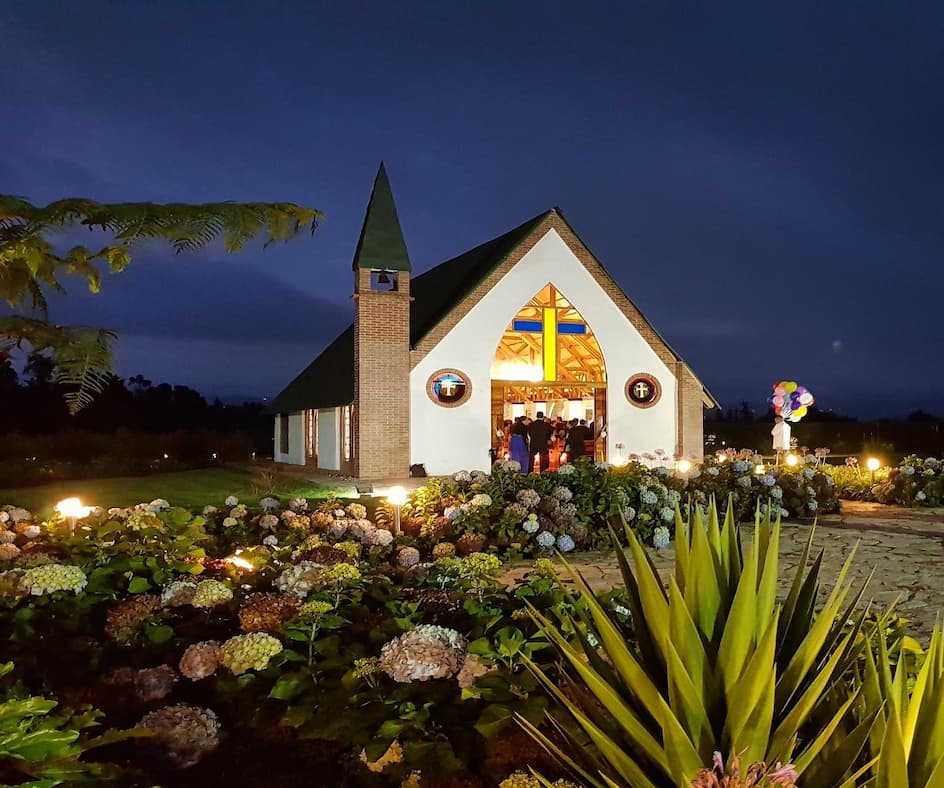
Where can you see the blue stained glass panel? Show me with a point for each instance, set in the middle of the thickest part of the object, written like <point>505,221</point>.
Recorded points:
<point>571,328</point>
<point>527,325</point>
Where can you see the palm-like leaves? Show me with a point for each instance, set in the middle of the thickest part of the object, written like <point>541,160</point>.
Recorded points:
<point>719,664</point>
<point>29,262</point>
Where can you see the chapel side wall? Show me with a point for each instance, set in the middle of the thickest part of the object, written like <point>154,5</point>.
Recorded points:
<point>329,439</point>
<point>448,439</point>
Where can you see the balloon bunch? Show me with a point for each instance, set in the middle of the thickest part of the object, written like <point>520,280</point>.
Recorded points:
<point>790,400</point>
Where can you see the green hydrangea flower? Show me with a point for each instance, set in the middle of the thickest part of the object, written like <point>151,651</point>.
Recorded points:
<point>50,578</point>
<point>211,593</point>
<point>249,652</point>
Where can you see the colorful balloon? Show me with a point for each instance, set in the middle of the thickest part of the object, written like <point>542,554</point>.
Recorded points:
<point>790,400</point>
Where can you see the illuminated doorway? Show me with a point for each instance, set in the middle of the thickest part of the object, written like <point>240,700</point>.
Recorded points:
<point>549,361</point>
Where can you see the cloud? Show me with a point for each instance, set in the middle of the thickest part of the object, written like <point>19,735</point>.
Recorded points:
<point>194,298</point>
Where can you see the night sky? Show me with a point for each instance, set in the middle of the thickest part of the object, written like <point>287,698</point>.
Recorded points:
<point>765,183</point>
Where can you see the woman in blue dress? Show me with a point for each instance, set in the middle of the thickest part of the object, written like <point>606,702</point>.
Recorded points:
<point>518,447</point>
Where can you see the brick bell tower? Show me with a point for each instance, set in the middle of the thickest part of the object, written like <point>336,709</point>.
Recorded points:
<point>381,428</point>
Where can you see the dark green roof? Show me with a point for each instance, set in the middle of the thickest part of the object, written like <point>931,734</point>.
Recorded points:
<point>328,381</point>
<point>381,245</point>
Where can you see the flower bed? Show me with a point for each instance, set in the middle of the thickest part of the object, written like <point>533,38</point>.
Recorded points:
<point>235,634</point>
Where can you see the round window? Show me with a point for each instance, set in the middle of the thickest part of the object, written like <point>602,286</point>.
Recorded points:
<point>643,390</point>
<point>448,388</point>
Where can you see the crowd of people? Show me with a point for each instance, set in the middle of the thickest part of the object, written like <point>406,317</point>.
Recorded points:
<point>527,440</point>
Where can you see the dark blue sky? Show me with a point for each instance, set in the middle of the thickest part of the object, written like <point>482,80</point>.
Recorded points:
<point>765,183</point>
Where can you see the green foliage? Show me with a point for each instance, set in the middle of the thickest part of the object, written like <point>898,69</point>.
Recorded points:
<point>718,664</point>
<point>42,747</point>
<point>30,262</point>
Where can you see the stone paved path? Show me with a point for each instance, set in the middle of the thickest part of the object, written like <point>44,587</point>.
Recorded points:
<point>903,547</point>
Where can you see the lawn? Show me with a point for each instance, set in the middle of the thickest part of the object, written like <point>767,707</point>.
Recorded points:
<point>191,489</point>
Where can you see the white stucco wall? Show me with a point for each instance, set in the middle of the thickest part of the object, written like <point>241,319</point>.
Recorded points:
<point>296,440</point>
<point>329,436</point>
<point>448,439</point>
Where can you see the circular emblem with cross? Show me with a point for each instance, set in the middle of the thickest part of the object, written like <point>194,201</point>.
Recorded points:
<point>643,390</point>
<point>448,387</point>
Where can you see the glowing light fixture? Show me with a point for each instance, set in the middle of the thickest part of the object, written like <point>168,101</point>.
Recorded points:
<point>873,464</point>
<point>759,469</point>
<point>396,497</point>
<point>683,466</point>
<point>238,560</point>
<point>72,509</point>
<point>792,460</point>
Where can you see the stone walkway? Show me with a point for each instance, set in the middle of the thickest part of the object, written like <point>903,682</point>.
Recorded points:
<point>903,547</point>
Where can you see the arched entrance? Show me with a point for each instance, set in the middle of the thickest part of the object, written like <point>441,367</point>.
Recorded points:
<point>549,360</point>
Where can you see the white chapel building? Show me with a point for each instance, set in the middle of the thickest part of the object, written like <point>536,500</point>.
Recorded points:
<point>432,366</point>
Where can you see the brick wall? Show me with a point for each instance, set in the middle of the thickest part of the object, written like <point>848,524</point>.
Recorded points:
<point>381,444</point>
<point>689,409</point>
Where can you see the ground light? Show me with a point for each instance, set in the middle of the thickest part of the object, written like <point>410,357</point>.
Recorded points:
<point>72,509</point>
<point>759,469</point>
<point>793,460</point>
<point>683,466</point>
<point>396,497</point>
<point>238,560</point>
<point>873,464</point>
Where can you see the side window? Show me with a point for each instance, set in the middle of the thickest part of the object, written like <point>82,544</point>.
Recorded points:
<point>283,433</point>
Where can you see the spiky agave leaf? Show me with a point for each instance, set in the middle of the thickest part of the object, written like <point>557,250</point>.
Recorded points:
<point>720,679</point>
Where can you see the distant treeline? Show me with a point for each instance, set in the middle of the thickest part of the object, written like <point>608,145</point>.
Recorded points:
<point>31,403</point>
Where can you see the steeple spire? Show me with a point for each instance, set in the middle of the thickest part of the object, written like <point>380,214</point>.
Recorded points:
<point>381,246</point>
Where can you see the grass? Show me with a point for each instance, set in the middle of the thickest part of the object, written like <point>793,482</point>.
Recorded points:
<point>190,489</point>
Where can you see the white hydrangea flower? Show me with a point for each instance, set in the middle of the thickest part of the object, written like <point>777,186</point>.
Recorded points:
<point>231,501</point>
<point>566,470</point>
<point>32,531</point>
<point>424,653</point>
<point>229,522</point>
<point>463,477</point>
<point>531,525</point>
<point>158,505</point>
<point>268,504</point>
<point>208,510</point>
<point>298,504</point>
<point>49,578</point>
<point>18,514</point>
<point>545,539</point>
<point>712,470</point>
<point>268,521</point>
<point>481,501</point>
<point>271,540</point>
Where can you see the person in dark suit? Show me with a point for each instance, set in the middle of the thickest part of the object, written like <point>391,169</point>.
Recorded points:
<point>576,440</point>
<point>540,432</point>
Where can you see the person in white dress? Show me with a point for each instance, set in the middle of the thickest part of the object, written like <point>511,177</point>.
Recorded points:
<point>781,436</point>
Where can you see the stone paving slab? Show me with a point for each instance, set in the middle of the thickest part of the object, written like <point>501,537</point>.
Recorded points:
<point>903,549</point>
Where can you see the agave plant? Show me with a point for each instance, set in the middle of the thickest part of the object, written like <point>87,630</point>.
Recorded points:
<point>907,740</point>
<point>718,665</point>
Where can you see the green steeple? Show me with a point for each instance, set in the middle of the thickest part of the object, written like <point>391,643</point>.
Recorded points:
<point>381,245</point>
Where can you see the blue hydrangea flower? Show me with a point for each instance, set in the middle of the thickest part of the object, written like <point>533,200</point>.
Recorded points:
<point>769,480</point>
<point>908,470</point>
<point>268,504</point>
<point>649,497</point>
<point>531,525</point>
<point>661,537</point>
<point>741,466</point>
<point>565,543</point>
<point>667,513</point>
<point>812,506</point>
<point>545,539</point>
<point>629,514</point>
<point>660,471</point>
<point>809,473</point>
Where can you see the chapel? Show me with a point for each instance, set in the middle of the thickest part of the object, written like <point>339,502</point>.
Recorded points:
<point>434,365</point>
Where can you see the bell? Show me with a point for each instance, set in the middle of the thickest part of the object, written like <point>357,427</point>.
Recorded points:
<point>383,279</point>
